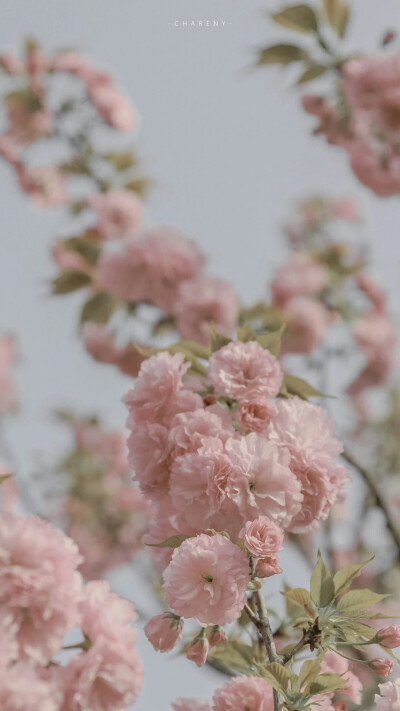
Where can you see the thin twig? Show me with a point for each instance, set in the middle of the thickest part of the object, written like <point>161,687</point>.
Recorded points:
<point>264,628</point>
<point>380,502</point>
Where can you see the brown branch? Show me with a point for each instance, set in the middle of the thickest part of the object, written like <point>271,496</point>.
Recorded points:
<point>380,502</point>
<point>265,631</point>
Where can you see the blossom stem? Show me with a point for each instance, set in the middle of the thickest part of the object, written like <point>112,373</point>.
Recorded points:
<point>380,502</point>
<point>265,630</point>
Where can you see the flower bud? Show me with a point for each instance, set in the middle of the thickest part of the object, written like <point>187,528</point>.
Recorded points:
<point>216,636</point>
<point>262,537</point>
<point>198,650</point>
<point>164,631</point>
<point>389,636</point>
<point>268,566</point>
<point>382,666</point>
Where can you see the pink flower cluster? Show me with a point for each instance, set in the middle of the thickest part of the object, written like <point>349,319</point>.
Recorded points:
<point>206,467</point>
<point>41,599</point>
<point>102,511</point>
<point>365,119</point>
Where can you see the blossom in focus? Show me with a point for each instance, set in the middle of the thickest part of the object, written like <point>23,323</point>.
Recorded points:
<point>239,370</point>
<point>262,537</point>
<point>382,666</point>
<point>197,651</point>
<point>390,636</point>
<point>207,579</point>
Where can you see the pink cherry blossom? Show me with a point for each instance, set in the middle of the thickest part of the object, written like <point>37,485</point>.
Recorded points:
<point>107,677</point>
<point>300,276</point>
<point>269,486</point>
<point>39,584</point>
<point>241,369</point>
<point>244,693</point>
<point>112,106</point>
<point>254,413</point>
<point>119,213</point>
<point>388,698</point>
<point>164,631</point>
<point>262,537</point>
<point>207,579</point>
<point>307,325</point>
<point>22,688</point>
<point>44,185</point>
<point>151,269</point>
<point>103,613</point>
<point>203,301</point>
<point>217,636</point>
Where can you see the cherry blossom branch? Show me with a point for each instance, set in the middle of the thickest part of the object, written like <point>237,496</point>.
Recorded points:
<point>380,502</point>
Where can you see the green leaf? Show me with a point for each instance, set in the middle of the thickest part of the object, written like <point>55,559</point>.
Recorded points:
<point>282,54</point>
<point>300,18</point>
<point>313,72</point>
<point>337,13</point>
<point>217,340</point>
<point>326,683</point>
<point>141,186</point>
<point>98,308</point>
<point>302,598</point>
<point>322,587</point>
<point>358,600</point>
<point>70,280</point>
<point>4,477</point>
<point>281,674</point>
<point>292,385</point>
<point>344,577</point>
<point>234,655</point>
<point>309,671</point>
<point>122,160</point>
<point>272,341</point>
<point>85,247</point>
<point>171,542</point>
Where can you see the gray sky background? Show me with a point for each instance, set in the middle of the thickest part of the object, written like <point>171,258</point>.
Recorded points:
<point>230,150</point>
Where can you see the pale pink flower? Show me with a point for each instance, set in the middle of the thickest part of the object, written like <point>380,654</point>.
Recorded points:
<point>157,387</point>
<point>207,491</point>
<point>266,567</point>
<point>105,678</point>
<point>23,689</point>
<point>262,537</point>
<point>335,664</point>
<point>72,62</point>
<point>112,106</point>
<point>39,584</point>
<point>300,276</point>
<point>254,413</point>
<point>191,705</point>
<point>239,370</point>
<point>207,579</point>
<point>164,631</point>
<point>374,332</point>
<point>151,269</point>
<point>8,637</point>
<point>11,63</point>
<point>119,213</point>
<point>8,356</point>
<point>44,184</point>
<point>269,488</point>
<point>150,457</point>
<point>203,301</point>
<point>100,345</point>
<point>103,613</point>
<point>306,430</point>
<point>11,147</point>
<point>373,291</point>
<point>382,666</point>
<point>244,693</point>
<point>345,208</point>
<point>390,636</point>
<point>198,650</point>
<point>306,326</point>
<point>388,698</point>
<point>190,430</point>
